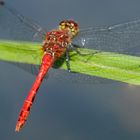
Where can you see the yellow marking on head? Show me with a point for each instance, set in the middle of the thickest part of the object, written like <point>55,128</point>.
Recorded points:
<point>70,25</point>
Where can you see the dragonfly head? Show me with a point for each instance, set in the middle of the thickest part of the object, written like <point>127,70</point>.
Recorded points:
<point>69,25</point>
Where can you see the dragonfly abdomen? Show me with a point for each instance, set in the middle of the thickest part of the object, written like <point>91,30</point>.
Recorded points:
<point>47,62</point>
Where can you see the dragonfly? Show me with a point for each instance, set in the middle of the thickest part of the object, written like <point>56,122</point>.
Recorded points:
<point>67,36</point>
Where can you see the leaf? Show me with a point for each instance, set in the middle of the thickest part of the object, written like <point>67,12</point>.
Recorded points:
<point>119,67</point>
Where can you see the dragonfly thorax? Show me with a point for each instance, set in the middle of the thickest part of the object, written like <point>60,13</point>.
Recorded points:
<point>56,42</point>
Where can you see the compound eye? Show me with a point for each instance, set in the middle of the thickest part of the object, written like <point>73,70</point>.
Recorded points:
<point>62,25</point>
<point>70,25</point>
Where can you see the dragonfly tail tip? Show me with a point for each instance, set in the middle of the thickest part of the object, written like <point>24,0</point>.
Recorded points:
<point>18,127</point>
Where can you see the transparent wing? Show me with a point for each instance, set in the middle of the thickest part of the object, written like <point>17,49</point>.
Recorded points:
<point>121,38</point>
<point>63,75</point>
<point>15,26</point>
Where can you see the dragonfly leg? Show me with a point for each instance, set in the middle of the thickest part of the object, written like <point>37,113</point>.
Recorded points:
<point>75,48</point>
<point>68,61</point>
<point>72,47</point>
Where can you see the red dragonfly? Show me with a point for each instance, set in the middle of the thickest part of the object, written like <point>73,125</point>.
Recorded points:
<point>54,45</point>
<point>117,38</point>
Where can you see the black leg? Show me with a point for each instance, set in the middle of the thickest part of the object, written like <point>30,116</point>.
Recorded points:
<point>68,61</point>
<point>75,48</point>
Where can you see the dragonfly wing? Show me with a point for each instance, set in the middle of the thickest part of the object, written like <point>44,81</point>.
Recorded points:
<point>15,26</point>
<point>63,75</point>
<point>121,38</point>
